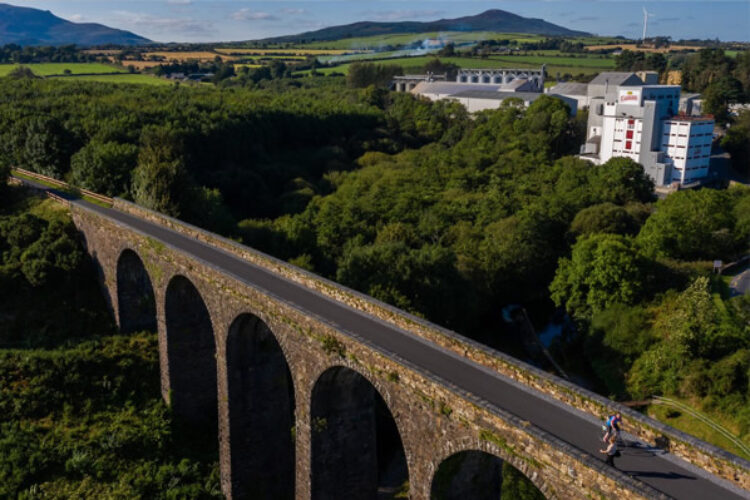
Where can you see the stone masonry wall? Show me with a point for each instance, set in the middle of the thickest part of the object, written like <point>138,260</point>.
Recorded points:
<point>434,418</point>
<point>708,457</point>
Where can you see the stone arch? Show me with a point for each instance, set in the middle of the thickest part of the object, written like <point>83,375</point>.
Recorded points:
<point>356,446</point>
<point>191,355</point>
<point>261,412</point>
<point>468,474</point>
<point>136,302</point>
<point>461,457</point>
<point>486,78</point>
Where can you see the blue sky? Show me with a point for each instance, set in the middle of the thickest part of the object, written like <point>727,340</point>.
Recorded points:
<point>219,20</point>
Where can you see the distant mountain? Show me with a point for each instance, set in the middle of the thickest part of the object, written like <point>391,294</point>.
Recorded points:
<point>27,26</point>
<point>491,20</point>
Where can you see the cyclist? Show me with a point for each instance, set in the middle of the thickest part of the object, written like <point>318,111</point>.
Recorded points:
<point>612,427</point>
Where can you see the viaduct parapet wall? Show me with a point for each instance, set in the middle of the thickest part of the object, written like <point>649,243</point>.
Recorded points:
<point>434,419</point>
<point>695,451</point>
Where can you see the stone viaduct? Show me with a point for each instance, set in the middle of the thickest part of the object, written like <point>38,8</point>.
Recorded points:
<point>303,409</point>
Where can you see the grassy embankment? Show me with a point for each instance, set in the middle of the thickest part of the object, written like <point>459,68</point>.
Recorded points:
<point>688,423</point>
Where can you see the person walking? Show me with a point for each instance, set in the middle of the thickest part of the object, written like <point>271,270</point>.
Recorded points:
<point>611,451</point>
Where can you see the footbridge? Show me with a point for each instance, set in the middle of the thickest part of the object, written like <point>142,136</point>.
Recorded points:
<point>316,391</point>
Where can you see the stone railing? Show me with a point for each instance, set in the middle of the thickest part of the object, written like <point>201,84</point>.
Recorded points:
<point>699,453</point>
<point>47,181</point>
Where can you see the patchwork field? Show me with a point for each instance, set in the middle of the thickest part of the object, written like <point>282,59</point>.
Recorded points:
<point>123,78</point>
<point>554,64</point>
<point>189,56</point>
<point>49,69</point>
<point>458,37</point>
<point>281,52</point>
<point>635,48</point>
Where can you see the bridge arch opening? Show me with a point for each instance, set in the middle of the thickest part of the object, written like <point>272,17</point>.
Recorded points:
<point>480,476</point>
<point>357,450</point>
<point>191,354</point>
<point>261,412</point>
<point>136,302</point>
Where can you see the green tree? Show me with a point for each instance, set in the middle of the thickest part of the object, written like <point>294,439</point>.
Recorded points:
<point>160,179</point>
<point>104,167</point>
<point>22,73</point>
<point>41,144</point>
<point>603,218</point>
<point>362,75</point>
<point>517,486</point>
<point>621,180</point>
<point>737,142</point>
<point>691,225</point>
<point>719,94</point>
<point>603,270</point>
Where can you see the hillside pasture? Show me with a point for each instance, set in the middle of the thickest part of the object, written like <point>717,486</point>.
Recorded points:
<point>49,69</point>
<point>380,41</point>
<point>573,62</point>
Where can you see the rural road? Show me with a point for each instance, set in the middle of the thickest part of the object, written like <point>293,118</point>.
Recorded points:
<point>662,472</point>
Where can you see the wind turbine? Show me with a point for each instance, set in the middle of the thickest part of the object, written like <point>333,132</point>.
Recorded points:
<point>645,24</point>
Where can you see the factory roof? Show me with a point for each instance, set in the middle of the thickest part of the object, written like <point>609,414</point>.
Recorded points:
<point>496,95</point>
<point>452,88</point>
<point>570,88</point>
<point>616,78</point>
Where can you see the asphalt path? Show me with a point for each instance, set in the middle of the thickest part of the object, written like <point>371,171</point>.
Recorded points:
<point>740,284</point>
<point>647,465</point>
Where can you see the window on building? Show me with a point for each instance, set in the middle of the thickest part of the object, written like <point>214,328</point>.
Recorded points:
<point>628,144</point>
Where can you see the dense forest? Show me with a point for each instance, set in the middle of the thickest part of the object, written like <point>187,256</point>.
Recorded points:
<point>81,414</point>
<point>416,203</point>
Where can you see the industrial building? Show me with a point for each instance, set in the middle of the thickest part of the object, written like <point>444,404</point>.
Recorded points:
<point>480,89</point>
<point>642,121</point>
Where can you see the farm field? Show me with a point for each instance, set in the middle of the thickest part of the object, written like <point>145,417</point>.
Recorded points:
<point>141,65</point>
<point>633,47</point>
<point>378,41</point>
<point>48,69</point>
<point>120,79</point>
<point>189,56</point>
<point>575,62</point>
<point>282,52</point>
<point>414,64</point>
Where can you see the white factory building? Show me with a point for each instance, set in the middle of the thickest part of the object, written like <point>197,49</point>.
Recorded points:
<point>481,89</point>
<point>631,119</point>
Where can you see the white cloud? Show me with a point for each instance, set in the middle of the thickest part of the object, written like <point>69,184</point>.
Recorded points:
<point>156,26</point>
<point>403,15</point>
<point>293,12</point>
<point>179,2</point>
<point>246,14</point>
<point>76,18</point>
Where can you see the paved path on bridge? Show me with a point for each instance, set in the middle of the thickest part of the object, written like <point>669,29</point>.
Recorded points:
<point>666,474</point>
